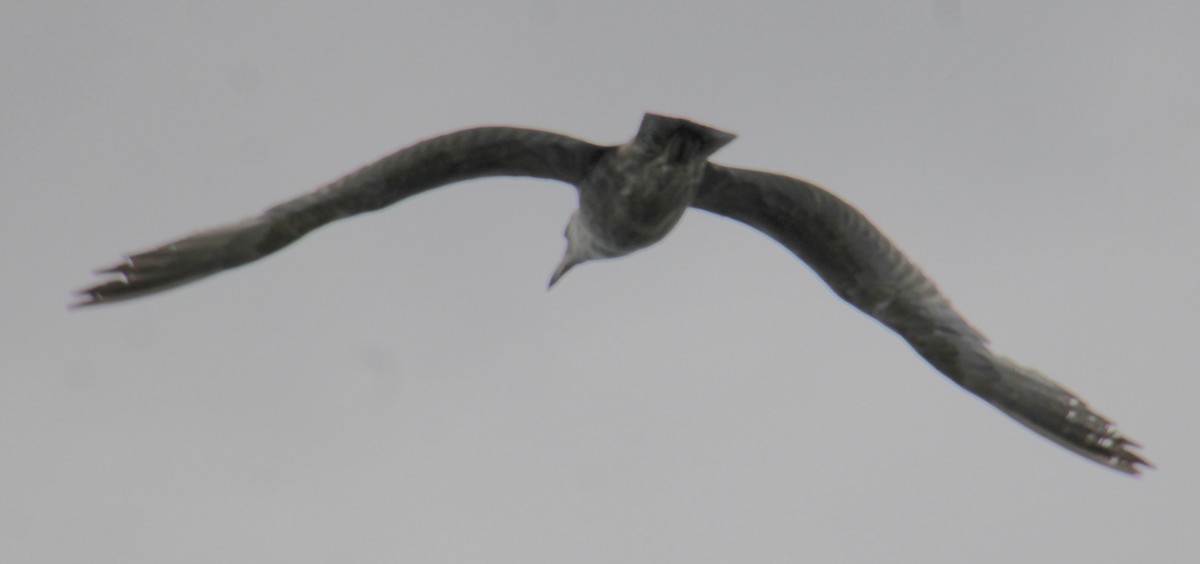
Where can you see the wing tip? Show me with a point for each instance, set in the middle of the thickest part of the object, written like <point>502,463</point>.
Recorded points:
<point>1119,454</point>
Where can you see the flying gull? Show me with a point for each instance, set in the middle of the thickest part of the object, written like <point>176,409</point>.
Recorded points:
<point>630,197</point>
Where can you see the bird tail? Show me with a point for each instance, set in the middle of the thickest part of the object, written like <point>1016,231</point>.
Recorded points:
<point>699,141</point>
<point>1051,410</point>
<point>186,260</point>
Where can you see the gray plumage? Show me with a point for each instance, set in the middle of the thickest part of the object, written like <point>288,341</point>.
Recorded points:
<point>630,197</point>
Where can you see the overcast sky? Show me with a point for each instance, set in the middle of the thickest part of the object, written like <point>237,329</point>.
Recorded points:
<point>402,388</point>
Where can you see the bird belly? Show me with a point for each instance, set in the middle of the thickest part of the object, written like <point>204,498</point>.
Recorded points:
<point>633,219</point>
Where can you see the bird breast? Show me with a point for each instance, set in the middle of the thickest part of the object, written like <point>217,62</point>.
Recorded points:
<point>632,203</point>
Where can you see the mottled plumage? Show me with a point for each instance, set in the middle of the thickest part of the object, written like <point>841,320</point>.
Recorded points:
<point>630,197</point>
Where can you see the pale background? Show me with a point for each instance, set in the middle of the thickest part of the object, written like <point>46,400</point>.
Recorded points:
<point>402,388</point>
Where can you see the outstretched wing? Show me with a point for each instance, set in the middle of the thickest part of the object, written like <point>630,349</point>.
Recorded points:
<point>863,267</point>
<point>471,153</point>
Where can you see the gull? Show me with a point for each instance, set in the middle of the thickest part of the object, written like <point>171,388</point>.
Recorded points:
<point>630,197</point>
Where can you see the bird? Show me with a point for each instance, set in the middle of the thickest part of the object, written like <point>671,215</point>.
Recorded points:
<point>630,197</point>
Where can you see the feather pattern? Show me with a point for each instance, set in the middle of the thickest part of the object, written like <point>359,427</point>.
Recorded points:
<point>630,197</point>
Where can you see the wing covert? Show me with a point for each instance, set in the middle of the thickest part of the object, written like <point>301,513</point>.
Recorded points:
<point>463,155</point>
<point>846,250</point>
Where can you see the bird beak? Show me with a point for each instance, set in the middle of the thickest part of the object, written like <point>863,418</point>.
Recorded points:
<point>562,269</point>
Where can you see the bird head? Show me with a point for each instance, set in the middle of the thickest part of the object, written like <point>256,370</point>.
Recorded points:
<point>579,248</point>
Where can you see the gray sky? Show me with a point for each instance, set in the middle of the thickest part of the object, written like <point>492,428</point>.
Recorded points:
<point>402,388</point>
